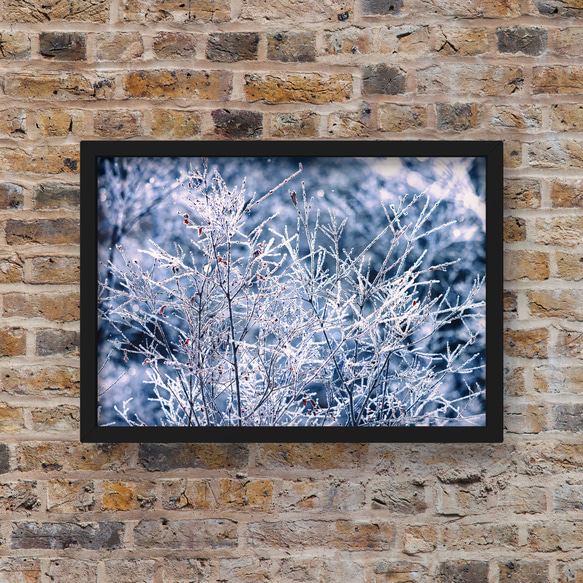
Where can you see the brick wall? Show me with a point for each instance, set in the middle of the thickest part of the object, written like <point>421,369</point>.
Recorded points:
<point>279,69</point>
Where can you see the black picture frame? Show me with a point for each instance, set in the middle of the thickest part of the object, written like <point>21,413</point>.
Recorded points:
<point>491,151</point>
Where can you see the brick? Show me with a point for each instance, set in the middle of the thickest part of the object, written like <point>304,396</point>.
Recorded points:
<point>568,498</point>
<point>57,86</point>
<point>119,496</point>
<point>524,418</point>
<point>312,88</point>
<point>186,493</point>
<point>560,231</point>
<point>237,125</point>
<point>245,494</point>
<point>54,270</point>
<point>175,45</point>
<point>12,342</point>
<point>522,193</point>
<point>406,498</point>
<point>129,570</point>
<point>564,380</point>
<point>11,196</point>
<point>523,499</point>
<point>50,196</point>
<point>13,122</point>
<point>381,7</point>
<point>478,537</point>
<point>530,40</point>
<point>558,80</point>
<point>527,343</point>
<point>4,458</point>
<point>43,12</point>
<point>558,303</point>
<point>58,307</point>
<point>567,194</point>
<point>64,418</point>
<point>383,80</point>
<point>202,11</point>
<point>70,570</point>
<point>457,117</point>
<point>291,47</point>
<point>461,499</point>
<point>56,456</point>
<point>59,122</point>
<point>524,571</point>
<point>64,535</point>
<point>63,46</point>
<point>43,232</point>
<point>301,124</point>
<point>514,229</point>
<point>512,154</point>
<point>22,570</point>
<point>42,160</point>
<point>510,305</point>
<point>462,572</point>
<point>53,342</point>
<point>493,80</point>
<point>569,41</point>
<point>463,42</point>
<point>567,117</point>
<point>350,124</point>
<point>231,47</point>
<point>317,456</point>
<point>569,571</point>
<point>399,572</point>
<point>119,46</point>
<point>556,7</point>
<point>514,381</point>
<point>570,266</point>
<point>353,40</point>
<point>468,9</point>
<point>184,569</point>
<point>300,495</point>
<point>15,46</point>
<point>569,418</point>
<point>164,457</point>
<point>408,41</point>
<point>308,10</point>
<point>11,269</point>
<point>207,85</point>
<point>118,124</point>
<point>22,495</point>
<point>533,265</point>
<point>38,381</point>
<point>547,537</point>
<point>176,124</point>
<point>245,569</point>
<point>395,117</point>
<point>213,533</point>
<point>525,117</point>
<point>343,495</point>
<point>569,343</point>
<point>70,496</point>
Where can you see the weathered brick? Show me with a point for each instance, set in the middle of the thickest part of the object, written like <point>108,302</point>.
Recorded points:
<point>42,160</point>
<point>512,154</point>
<point>396,117</point>
<point>57,86</point>
<point>530,40</point>
<point>524,418</point>
<point>236,125</point>
<point>557,303</point>
<point>457,117</point>
<point>523,499</point>
<point>566,231</point>
<point>65,570</point>
<point>13,122</point>
<point>11,269</point>
<point>300,495</point>
<point>569,571</point>
<point>510,305</point>
<point>493,80</point>
<point>524,571</point>
<point>547,537</point>
<point>514,381</point>
<point>59,307</point>
<point>469,8</point>
<point>527,343</point>
<point>399,572</point>
<point>117,124</point>
<point>201,11</point>
<point>63,46</point>
<point>63,535</point>
<point>175,45</point>
<point>469,537</point>
<point>568,497</point>
<point>22,495</point>
<point>12,342</point>
<point>350,124</point>
<point>522,193</point>
<point>119,46</point>
<point>52,342</point>
<point>22,570</point>
<point>569,41</point>
<point>343,495</point>
<point>213,533</point>
<point>558,79</point>
<point>185,569</point>
<point>567,117</point>
<point>302,124</point>
<point>570,266</point>
<point>569,343</point>
<point>59,122</point>
<point>128,495</point>
<point>405,498</point>
<point>517,117</point>
<point>56,196</point>
<point>560,380</point>
<point>15,46</point>
<point>335,495</point>
<point>231,47</point>
<point>43,232</point>
<point>567,194</point>
<point>317,456</point>
<point>163,84</point>
<point>514,229</point>
<point>4,458</point>
<point>533,265</point>
<point>69,496</point>
<point>463,42</point>
<point>555,7</point>
<point>383,80</point>
<point>43,12</point>
<point>245,494</point>
<point>11,196</point>
<point>64,418</point>
<point>186,493</point>
<point>248,569</point>
<point>407,41</point>
<point>307,10</point>
<point>38,381</point>
<point>294,47</point>
<point>354,40</point>
<point>462,572</point>
<point>130,570</point>
<point>312,88</point>
<point>53,270</point>
<point>163,457</point>
<point>569,417</point>
<point>175,123</point>
<point>462,498</point>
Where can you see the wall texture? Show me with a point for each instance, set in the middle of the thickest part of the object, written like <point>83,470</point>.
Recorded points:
<point>279,69</point>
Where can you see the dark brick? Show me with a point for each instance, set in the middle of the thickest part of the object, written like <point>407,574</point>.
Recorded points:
<point>462,572</point>
<point>63,46</point>
<point>375,7</point>
<point>174,45</point>
<point>159,457</point>
<point>43,231</point>
<point>55,196</point>
<point>526,40</point>
<point>456,117</point>
<point>238,124</point>
<point>4,458</point>
<point>214,533</point>
<point>290,47</point>
<point>569,418</point>
<point>524,571</point>
<point>230,47</point>
<point>559,7</point>
<point>52,342</point>
<point>383,80</point>
<point>64,535</point>
<point>11,196</point>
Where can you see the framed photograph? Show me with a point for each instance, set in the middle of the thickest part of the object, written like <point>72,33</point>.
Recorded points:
<point>341,291</point>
